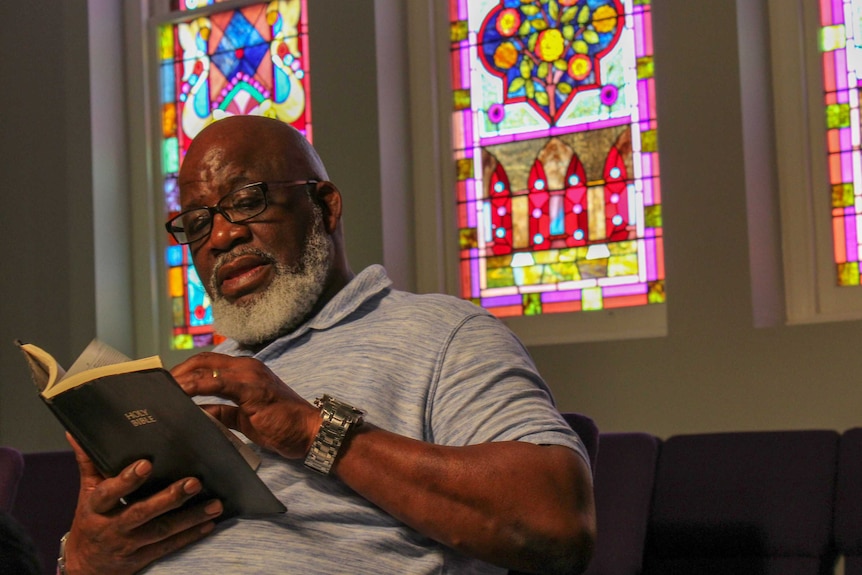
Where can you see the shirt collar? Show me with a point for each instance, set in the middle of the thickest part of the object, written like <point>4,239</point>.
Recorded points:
<point>367,284</point>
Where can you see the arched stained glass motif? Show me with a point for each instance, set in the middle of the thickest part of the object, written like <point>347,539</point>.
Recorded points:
<point>554,137</point>
<point>841,45</point>
<point>250,60</point>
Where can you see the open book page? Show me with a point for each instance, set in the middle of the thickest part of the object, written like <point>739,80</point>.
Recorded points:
<point>77,379</point>
<point>43,367</point>
<point>98,360</point>
<point>95,355</point>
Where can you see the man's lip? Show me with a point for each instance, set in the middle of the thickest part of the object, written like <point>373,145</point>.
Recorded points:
<point>241,275</point>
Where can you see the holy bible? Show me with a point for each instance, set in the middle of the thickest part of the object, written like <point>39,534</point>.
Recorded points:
<point>121,410</point>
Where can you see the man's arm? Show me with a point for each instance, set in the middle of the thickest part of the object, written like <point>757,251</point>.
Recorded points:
<point>515,504</point>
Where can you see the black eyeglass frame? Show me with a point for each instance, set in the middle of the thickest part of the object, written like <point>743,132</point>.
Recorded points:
<point>178,232</point>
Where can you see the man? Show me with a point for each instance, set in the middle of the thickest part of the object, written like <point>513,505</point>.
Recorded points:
<point>461,462</point>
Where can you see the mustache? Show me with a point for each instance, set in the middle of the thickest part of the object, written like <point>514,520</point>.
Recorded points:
<point>230,256</point>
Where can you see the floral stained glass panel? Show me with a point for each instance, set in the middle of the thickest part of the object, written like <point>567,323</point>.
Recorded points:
<point>251,60</point>
<point>555,148</point>
<point>841,49</point>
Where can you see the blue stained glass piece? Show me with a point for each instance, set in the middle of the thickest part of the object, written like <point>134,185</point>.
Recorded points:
<point>282,86</point>
<point>168,83</point>
<point>198,300</point>
<point>240,33</point>
<point>174,256</point>
<point>202,102</point>
<point>558,225</point>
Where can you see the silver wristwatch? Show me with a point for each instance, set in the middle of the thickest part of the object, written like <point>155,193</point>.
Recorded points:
<point>338,419</point>
<point>61,559</point>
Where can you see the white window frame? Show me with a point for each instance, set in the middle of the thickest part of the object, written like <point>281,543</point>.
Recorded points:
<point>811,292</point>
<point>434,201</point>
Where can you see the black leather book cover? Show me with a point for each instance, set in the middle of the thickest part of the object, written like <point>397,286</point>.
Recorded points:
<point>121,418</point>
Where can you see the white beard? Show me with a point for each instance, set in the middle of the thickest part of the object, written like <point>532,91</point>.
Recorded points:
<point>285,303</point>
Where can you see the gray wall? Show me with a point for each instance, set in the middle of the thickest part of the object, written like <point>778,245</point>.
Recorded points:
<point>714,370</point>
<point>47,284</point>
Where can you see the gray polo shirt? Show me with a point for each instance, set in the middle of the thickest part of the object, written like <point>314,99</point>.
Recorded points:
<point>429,367</point>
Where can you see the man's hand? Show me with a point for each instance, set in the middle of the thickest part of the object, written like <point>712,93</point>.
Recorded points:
<point>108,536</point>
<point>267,411</point>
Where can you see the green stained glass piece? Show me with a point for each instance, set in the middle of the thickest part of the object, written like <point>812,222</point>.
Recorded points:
<point>652,216</point>
<point>531,275</point>
<point>458,31</point>
<point>500,277</point>
<point>532,304</point>
<point>646,67</point>
<point>546,256</point>
<point>461,99</point>
<point>178,314</point>
<point>499,261</point>
<point>569,255</point>
<point>183,341</point>
<point>649,141</point>
<point>848,274</point>
<point>170,156</point>
<point>842,195</point>
<point>655,292</point>
<point>567,272</point>
<point>626,265</point>
<point>623,248</point>
<point>464,169</point>
<point>468,238</point>
<point>838,116</point>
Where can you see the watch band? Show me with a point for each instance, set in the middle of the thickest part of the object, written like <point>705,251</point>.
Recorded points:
<point>338,419</point>
<point>61,559</point>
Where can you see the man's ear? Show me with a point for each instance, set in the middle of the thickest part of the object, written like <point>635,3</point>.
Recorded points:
<point>328,197</point>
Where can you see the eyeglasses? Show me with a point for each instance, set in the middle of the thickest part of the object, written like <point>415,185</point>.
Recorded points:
<point>238,206</point>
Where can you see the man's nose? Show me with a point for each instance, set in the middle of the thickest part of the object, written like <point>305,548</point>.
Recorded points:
<point>225,233</point>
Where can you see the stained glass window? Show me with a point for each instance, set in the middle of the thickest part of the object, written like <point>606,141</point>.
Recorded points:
<point>250,60</point>
<point>192,4</point>
<point>841,46</point>
<point>554,138</point>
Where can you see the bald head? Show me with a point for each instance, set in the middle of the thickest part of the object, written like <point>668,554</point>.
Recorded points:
<point>257,142</point>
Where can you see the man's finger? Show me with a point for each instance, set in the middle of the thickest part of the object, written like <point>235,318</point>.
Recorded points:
<point>109,494</point>
<point>90,476</point>
<point>226,414</point>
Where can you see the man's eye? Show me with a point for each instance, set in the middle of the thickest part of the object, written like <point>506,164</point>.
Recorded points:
<point>196,221</point>
<point>247,202</point>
